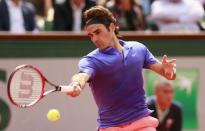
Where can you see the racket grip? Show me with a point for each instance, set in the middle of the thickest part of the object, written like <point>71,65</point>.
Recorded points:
<point>66,88</point>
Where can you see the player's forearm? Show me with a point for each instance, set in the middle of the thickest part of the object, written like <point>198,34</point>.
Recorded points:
<point>81,79</point>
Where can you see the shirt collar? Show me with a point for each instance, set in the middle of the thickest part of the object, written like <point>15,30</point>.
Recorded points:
<point>111,49</point>
<point>124,45</point>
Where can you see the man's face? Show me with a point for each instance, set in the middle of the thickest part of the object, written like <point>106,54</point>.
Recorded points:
<point>78,3</point>
<point>125,4</point>
<point>164,95</point>
<point>100,35</point>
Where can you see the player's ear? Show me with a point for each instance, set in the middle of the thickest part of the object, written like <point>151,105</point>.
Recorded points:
<point>112,27</point>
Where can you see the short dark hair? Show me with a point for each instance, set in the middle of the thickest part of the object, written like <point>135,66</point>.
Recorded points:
<point>100,15</point>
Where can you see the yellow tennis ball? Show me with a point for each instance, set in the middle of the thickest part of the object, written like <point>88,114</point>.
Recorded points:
<point>53,115</point>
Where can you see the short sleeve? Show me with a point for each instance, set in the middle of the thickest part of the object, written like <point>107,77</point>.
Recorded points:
<point>149,58</point>
<point>87,65</point>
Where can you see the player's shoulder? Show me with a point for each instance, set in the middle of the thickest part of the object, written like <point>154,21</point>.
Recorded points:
<point>90,56</point>
<point>93,53</point>
<point>91,59</point>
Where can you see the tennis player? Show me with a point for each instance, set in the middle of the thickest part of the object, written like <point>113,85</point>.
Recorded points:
<point>114,73</point>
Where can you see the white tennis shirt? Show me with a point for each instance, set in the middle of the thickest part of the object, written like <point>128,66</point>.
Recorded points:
<point>187,12</point>
<point>16,17</point>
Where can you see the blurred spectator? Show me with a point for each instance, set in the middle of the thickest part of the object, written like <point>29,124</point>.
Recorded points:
<point>146,5</point>
<point>128,13</point>
<point>39,6</point>
<point>48,9</point>
<point>202,22</point>
<point>167,111</point>
<point>101,2</point>
<point>177,15</point>
<point>202,2</point>
<point>17,16</point>
<point>68,15</point>
<point>40,12</point>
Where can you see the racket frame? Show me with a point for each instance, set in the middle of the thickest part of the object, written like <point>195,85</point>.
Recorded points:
<point>43,93</point>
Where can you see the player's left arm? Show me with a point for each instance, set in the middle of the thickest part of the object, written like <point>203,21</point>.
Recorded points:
<point>166,68</point>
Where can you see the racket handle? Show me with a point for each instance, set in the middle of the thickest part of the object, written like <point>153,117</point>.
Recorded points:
<point>66,88</point>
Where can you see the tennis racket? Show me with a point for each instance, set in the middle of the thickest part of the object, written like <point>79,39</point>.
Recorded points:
<point>26,86</point>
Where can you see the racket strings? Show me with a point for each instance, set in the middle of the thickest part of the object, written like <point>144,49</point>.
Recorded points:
<point>26,86</point>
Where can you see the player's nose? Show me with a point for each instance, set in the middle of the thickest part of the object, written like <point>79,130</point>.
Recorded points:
<point>94,39</point>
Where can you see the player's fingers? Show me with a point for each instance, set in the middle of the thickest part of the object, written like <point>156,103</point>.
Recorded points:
<point>164,59</point>
<point>69,93</point>
<point>172,61</point>
<point>74,94</point>
<point>173,65</point>
<point>175,70</point>
<point>173,73</point>
<point>76,91</point>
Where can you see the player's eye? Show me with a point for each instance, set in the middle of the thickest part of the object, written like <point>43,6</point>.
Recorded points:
<point>90,35</point>
<point>98,32</point>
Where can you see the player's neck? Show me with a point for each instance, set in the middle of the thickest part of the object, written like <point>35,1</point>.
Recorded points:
<point>116,44</point>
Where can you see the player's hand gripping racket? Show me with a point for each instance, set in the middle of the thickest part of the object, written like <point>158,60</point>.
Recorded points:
<point>26,86</point>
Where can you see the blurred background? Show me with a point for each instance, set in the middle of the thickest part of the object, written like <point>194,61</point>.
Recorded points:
<point>49,35</point>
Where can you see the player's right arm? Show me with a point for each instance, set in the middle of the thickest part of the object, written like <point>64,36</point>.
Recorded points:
<point>87,69</point>
<point>77,84</point>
